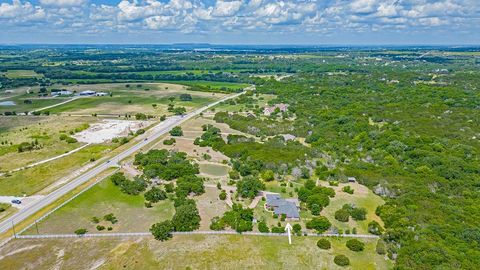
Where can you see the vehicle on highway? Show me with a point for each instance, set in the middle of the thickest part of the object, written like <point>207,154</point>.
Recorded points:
<point>16,201</point>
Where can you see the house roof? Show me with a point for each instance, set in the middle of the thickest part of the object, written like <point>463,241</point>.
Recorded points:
<point>289,209</point>
<point>282,206</point>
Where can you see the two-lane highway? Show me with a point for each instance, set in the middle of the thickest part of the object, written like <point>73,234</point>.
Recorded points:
<point>153,134</point>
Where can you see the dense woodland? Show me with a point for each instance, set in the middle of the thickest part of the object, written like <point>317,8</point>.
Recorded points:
<point>403,123</point>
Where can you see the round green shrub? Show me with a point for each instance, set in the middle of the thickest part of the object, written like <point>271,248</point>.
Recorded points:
<point>324,244</point>
<point>341,260</point>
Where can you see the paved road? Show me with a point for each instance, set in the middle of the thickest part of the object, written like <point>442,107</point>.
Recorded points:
<point>151,135</point>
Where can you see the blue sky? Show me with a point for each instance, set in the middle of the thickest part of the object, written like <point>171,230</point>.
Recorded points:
<point>393,22</point>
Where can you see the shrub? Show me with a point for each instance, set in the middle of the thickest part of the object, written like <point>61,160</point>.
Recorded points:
<point>110,217</point>
<point>380,248</point>
<point>223,195</point>
<point>297,229</point>
<point>169,141</point>
<point>169,188</point>
<point>341,260</point>
<point>217,224</point>
<point>342,215</point>
<point>262,227</point>
<point>278,229</point>
<point>348,189</point>
<point>81,231</point>
<point>355,245</point>
<point>100,227</point>
<point>95,220</point>
<point>375,228</point>
<point>324,244</point>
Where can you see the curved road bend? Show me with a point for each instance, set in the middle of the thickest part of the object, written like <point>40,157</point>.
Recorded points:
<point>152,135</point>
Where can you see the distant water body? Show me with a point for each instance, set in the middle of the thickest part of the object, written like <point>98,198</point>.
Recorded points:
<point>7,103</point>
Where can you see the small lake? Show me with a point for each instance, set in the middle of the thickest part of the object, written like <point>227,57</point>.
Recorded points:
<point>214,169</point>
<point>7,103</point>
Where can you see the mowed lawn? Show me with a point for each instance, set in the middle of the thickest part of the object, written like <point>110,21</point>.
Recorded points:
<point>187,252</point>
<point>100,200</point>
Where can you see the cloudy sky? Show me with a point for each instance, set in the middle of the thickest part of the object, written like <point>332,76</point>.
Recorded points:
<point>241,21</point>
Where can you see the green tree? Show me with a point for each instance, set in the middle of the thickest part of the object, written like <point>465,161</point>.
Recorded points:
<point>268,175</point>
<point>155,194</point>
<point>320,224</point>
<point>249,187</point>
<point>176,131</point>
<point>186,218</point>
<point>162,231</point>
<point>342,215</point>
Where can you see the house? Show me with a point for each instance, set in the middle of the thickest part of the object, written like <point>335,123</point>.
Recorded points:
<point>288,207</point>
<point>268,110</point>
<point>352,179</point>
<point>87,93</point>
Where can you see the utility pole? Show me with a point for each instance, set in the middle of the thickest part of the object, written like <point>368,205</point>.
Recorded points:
<point>36,226</point>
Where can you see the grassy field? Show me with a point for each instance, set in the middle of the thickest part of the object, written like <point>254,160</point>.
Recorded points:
<point>36,103</point>
<point>20,73</point>
<point>133,99</point>
<point>32,180</point>
<point>186,252</point>
<point>213,85</point>
<point>43,129</point>
<point>362,197</point>
<point>102,199</point>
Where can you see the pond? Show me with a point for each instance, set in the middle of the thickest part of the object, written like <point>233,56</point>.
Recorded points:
<point>214,169</point>
<point>7,103</point>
